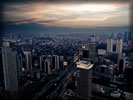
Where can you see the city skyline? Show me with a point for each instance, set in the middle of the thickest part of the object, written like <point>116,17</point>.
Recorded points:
<point>62,50</point>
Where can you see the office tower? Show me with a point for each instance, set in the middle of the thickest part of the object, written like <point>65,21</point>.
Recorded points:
<point>61,61</point>
<point>121,65</point>
<point>84,80</point>
<point>110,45</point>
<point>9,57</point>
<point>92,51</point>
<point>47,69</point>
<point>42,59</point>
<point>126,37</point>
<point>55,62</point>
<point>93,39</point>
<point>28,60</point>
<point>128,74</point>
<point>85,53</point>
<point>119,46</point>
<point>20,65</point>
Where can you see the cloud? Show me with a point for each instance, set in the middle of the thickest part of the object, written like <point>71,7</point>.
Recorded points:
<point>67,15</point>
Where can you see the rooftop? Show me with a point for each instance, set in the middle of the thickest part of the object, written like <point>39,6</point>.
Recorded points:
<point>84,64</point>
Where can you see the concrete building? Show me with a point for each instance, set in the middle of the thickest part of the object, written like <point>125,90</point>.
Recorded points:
<point>92,51</point>
<point>55,62</point>
<point>42,59</point>
<point>110,45</point>
<point>47,69</point>
<point>93,39</point>
<point>10,67</point>
<point>119,43</point>
<point>84,80</point>
<point>28,60</point>
<point>121,65</point>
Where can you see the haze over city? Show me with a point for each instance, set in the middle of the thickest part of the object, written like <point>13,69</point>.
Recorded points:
<point>62,50</point>
<point>79,17</point>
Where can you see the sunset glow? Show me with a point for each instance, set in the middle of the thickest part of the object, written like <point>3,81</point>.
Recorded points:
<point>68,15</point>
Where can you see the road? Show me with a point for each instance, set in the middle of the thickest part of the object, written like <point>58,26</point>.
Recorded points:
<point>49,91</point>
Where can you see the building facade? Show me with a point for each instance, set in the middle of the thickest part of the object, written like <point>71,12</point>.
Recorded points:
<point>84,80</point>
<point>110,45</point>
<point>10,68</point>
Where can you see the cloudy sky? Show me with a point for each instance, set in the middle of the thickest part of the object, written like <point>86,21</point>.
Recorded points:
<point>72,15</point>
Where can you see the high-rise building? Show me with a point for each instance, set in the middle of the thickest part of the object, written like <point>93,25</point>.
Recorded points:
<point>119,43</point>
<point>9,57</point>
<point>93,39</point>
<point>126,37</point>
<point>47,69</point>
<point>92,51</point>
<point>84,80</point>
<point>20,65</point>
<point>85,53</point>
<point>42,59</point>
<point>55,62</point>
<point>121,65</point>
<point>110,45</point>
<point>28,60</point>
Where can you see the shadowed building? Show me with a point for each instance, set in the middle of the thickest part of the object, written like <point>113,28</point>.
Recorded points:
<point>28,60</point>
<point>10,67</point>
<point>84,80</point>
<point>110,45</point>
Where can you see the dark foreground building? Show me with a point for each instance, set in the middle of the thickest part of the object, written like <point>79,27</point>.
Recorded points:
<point>84,80</point>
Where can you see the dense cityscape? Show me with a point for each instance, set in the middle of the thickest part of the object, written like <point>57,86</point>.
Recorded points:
<point>66,67</point>
<point>66,50</point>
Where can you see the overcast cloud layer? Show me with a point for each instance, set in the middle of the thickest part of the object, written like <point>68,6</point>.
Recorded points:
<point>83,15</point>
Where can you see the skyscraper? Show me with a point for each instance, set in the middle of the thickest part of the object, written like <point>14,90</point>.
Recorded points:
<point>126,37</point>
<point>93,39</point>
<point>55,62</point>
<point>42,59</point>
<point>10,67</point>
<point>119,46</point>
<point>110,45</point>
<point>85,53</point>
<point>84,80</point>
<point>19,64</point>
<point>47,69</point>
<point>92,51</point>
<point>121,65</point>
<point>28,60</point>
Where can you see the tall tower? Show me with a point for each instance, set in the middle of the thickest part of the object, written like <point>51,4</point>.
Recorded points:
<point>119,46</point>
<point>10,67</point>
<point>126,37</point>
<point>47,69</point>
<point>55,62</point>
<point>93,39</point>
<point>84,80</point>
<point>92,51</point>
<point>42,59</point>
<point>28,60</point>
<point>110,45</point>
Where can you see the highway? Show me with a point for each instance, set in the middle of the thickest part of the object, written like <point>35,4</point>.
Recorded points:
<point>62,84</point>
<point>52,88</point>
